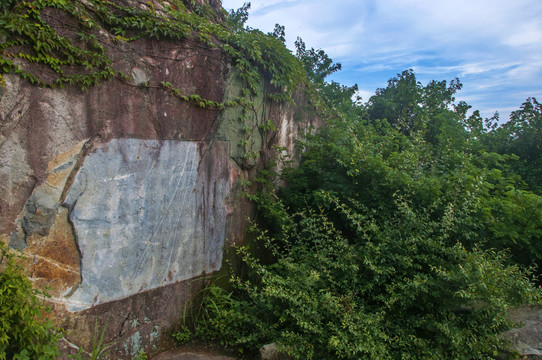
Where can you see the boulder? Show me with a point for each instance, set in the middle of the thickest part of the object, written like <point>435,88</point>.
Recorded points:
<point>271,352</point>
<point>526,339</point>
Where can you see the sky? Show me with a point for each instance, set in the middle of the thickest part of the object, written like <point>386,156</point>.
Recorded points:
<point>494,47</point>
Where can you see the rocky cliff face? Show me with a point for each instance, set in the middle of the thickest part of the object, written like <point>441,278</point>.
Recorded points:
<point>123,197</point>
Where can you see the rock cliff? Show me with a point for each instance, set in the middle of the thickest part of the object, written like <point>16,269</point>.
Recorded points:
<point>124,196</point>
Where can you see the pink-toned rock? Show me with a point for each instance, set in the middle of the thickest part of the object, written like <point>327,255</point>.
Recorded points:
<point>104,229</point>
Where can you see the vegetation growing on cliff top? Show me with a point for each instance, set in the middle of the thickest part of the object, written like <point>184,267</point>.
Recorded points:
<point>54,43</point>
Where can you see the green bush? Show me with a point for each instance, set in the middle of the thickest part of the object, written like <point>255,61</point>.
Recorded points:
<point>396,238</point>
<point>391,290</point>
<point>434,161</point>
<point>24,332</point>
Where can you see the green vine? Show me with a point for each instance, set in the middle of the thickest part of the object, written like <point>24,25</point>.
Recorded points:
<point>58,43</point>
<point>31,40</point>
<point>54,43</point>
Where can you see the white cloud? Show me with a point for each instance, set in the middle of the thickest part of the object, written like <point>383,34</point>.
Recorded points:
<point>526,35</point>
<point>365,94</point>
<point>493,46</point>
<point>530,72</point>
<point>467,69</point>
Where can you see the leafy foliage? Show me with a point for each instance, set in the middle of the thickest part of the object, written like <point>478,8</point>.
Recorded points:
<point>392,239</point>
<point>99,350</point>
<point>433,160</point>
<point>521,136</point>
<point>279,33</point>
<point>25,332</point>
<point>31,38</point>
<point>408,106</point>
<point>238,18</point>
<point>317,63</point>
<point>375,290</point>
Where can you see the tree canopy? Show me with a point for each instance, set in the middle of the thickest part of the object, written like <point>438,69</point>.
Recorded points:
<point>406,232</point>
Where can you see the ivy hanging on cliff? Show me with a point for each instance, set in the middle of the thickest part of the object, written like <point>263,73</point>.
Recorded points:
<point>54,43</point>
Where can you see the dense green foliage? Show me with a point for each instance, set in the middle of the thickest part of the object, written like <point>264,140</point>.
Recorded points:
<point>24,332</point>
<point>520,136</point>
<point>406,232</point>
<point>399,236</point>
<point>418,148</point>
<point>390,291</point>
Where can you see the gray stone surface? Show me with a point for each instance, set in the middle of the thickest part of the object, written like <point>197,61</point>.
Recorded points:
<point>527,338</point>
<point>271,352</point>
<point>40,211</point>
<point>41,207</point>
<point>147,213</point>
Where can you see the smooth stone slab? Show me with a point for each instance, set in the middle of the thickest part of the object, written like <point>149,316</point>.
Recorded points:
<point>147,213</point>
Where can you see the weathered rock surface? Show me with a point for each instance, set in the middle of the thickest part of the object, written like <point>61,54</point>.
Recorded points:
<point>527,338</point>
<point>271,352</point>
<point>123,196</point>
<point>144,217</point>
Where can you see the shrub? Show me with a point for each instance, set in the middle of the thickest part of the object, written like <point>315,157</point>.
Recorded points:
<point>24,332</point>
<point>390,290</point>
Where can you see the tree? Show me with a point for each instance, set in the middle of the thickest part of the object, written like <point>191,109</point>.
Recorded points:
<point>237,18</point>
<point>410,107</point>
<point>318,66</point>
<point>392,239</point>
<point>522,136</point>
<point>279,33</point>
<point>398,102</point>
<point>317,63</point>
<point>436,161</point>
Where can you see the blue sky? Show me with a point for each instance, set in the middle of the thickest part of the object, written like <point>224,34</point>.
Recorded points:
<point>494,47</point>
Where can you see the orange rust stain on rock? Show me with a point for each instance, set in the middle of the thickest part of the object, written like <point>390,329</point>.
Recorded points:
<point>56,261</point>
<point>59,246</point>
<point>54,274</point>
<point>52,278</point>
<point>58,179</point>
